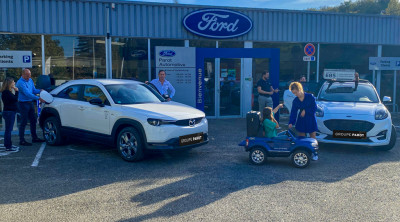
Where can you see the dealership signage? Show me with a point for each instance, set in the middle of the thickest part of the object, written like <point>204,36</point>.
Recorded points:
<point>384,63</point>
<point>15,59</point>
<point>217,23</point>
<point>339,74</point>
<point>179,64</point>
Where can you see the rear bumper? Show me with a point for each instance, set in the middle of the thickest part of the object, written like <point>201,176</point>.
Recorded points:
<point>173,144</point>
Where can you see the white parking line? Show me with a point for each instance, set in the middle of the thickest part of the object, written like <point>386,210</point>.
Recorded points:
<point>38,155</point>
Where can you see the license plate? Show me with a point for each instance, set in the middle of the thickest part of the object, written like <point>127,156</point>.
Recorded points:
<point>191,139</point>
<point>349,134</point>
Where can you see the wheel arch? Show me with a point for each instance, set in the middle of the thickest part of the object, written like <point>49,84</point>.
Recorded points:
<point>122,123</point>
<point>46,113</point>
<point>303,148</point>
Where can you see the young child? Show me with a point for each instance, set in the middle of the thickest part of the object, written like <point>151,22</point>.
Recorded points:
<point>269,122</point>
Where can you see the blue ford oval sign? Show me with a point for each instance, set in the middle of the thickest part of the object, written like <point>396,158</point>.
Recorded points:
<point>167,53</point>
<point>217,23</point>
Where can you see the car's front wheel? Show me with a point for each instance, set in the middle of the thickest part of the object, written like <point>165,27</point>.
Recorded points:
<point>52,131</point>
<point>301,159</point>
<point>130,145</point>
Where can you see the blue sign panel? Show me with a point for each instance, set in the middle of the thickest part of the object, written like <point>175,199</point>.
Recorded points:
<point>217,23</point>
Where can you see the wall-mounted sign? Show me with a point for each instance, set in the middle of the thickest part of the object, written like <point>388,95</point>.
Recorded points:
<point>217,23</point>
<point>15,59</point>
<point>384,63</point>
<point>179,64</point>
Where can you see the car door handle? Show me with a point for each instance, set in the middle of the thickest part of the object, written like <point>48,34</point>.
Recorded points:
<point>81,108</point>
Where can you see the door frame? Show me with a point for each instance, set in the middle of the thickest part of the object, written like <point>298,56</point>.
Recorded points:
<point>217,87</point>
<point>273,54</point>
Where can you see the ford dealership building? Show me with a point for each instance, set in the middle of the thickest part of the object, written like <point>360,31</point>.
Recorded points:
<point>212,55</point>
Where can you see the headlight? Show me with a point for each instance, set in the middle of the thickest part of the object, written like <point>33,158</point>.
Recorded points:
<point>314,144</point>
<point>319,112</point>
<point>381,114</point>
<point>158,122</point>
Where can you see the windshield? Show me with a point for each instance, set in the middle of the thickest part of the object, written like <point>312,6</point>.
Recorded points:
<point>348,92</point>
<point>133,93</point>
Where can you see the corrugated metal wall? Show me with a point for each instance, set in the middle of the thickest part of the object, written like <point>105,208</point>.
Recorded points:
<point>149,20</point>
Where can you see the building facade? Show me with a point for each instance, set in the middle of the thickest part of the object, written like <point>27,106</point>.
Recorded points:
<point>73,39</point>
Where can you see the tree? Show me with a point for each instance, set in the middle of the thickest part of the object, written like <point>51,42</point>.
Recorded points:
<point>393,8</point>
<point>375,7</point>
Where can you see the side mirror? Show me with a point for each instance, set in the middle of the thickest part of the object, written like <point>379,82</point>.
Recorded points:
<point>387,99</point>
<point>165,96</point>
<point>97,102</point>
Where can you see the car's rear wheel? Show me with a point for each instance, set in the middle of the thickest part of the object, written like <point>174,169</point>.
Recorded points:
<point>130,145</point>
<point>393,138</point>
<point>301,159</point>
<point>258,156</point>
<point>52,131</point>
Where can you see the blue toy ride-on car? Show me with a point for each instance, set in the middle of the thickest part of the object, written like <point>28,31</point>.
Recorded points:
<point>301,150</point>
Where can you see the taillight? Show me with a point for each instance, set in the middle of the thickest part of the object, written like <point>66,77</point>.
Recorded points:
<point>247,142</point>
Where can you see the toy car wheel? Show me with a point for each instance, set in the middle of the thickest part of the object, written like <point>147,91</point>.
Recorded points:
<point>301,159</point>
<point>258,156</point>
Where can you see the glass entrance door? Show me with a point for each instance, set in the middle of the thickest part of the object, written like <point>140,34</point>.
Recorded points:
<point>222,84</point>
<point>229,85</point>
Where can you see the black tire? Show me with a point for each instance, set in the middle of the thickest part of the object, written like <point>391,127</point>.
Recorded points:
<point>393,138</point>
<point>130,145</point>
<point>258,156</point>
<point>52,131</point>
<point>301,158</point>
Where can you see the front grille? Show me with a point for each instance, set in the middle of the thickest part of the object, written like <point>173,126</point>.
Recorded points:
<point>349,125</point>
<point>185,122</point>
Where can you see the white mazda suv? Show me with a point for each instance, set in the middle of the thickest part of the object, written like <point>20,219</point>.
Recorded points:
<point>350,112</point>
<point>125,113</point>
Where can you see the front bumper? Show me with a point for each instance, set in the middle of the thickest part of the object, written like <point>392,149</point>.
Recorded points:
<point>325,135</point>
<point>173,144</point>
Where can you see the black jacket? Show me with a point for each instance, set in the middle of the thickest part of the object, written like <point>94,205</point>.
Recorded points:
<point>10,100</point>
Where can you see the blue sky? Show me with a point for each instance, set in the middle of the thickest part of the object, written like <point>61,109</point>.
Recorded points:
<point>273,4</point>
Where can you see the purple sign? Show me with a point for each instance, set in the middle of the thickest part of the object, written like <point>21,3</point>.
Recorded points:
<point>217,23</point>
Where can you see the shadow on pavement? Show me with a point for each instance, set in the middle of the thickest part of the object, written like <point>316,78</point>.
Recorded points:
<point>208,173</point>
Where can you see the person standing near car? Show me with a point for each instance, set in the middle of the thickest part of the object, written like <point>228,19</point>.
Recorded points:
<point>26,104</point>
<point>9,96</point>
<point>305,121</point>
<point>163,85</point>
<point>265,91</point>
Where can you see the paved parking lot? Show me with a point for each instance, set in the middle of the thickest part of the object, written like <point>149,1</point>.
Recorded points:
<point>89,182</point>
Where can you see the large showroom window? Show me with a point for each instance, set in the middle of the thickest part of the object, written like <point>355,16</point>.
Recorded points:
<point>340,56</point>
<point>24,43</point>
<point>387,86</point>
<point>70,57</point>
<point>130,59</point>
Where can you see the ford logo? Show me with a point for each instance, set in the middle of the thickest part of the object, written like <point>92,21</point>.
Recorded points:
<point>217,23</point>
<point>167,53</point>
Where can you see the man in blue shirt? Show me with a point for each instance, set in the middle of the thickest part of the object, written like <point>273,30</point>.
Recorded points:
<point>163,85</point>
<point>26,102</point>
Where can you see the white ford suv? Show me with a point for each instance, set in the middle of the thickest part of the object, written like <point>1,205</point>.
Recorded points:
<point>125,113</point>
<point>350,112</point>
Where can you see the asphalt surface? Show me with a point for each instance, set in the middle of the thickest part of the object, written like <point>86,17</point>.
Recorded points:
<point>89,182</point>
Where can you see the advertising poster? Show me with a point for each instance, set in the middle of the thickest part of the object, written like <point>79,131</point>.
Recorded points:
<point>179,64</point>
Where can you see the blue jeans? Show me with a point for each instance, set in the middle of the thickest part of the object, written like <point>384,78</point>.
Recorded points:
<point>9,117</point>
<point>27,111</point>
